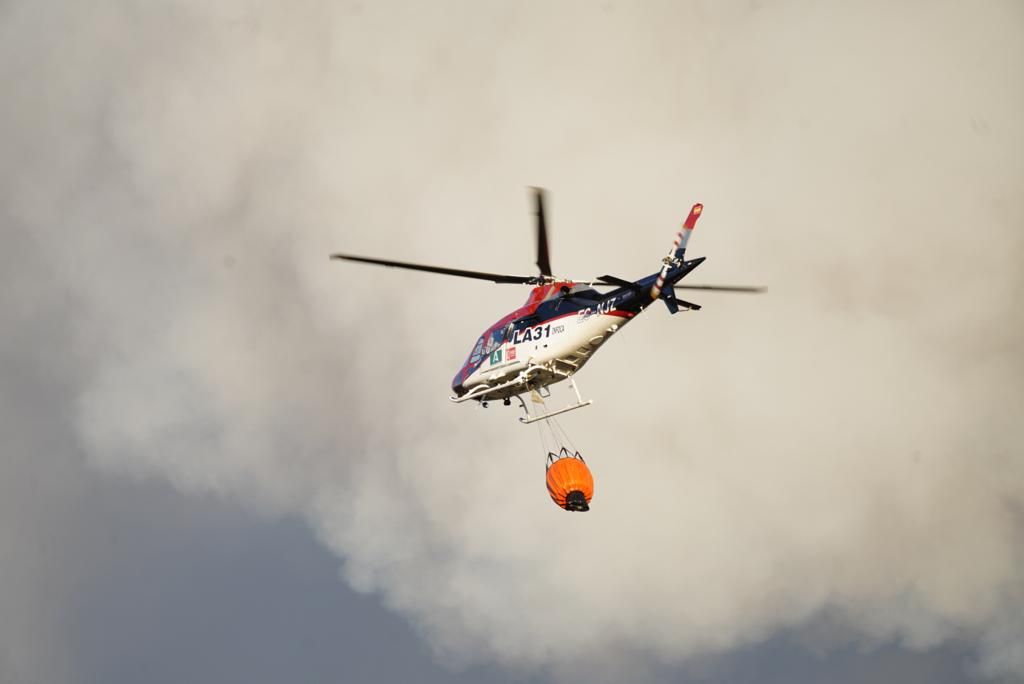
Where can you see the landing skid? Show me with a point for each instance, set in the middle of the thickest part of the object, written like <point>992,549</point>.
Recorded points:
<point>572,407</point>
<point>491,392</point>
<point>522,383</point>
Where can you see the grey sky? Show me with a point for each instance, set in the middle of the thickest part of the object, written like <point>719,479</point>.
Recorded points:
<point>832,468</point>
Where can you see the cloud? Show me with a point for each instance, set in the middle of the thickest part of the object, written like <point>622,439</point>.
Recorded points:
<point>847,444</point>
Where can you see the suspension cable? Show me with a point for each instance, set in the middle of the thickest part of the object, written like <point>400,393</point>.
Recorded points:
<point>553,437</point>
<point>565,435</point>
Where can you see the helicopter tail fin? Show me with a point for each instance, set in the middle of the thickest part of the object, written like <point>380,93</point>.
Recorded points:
<point>674,304</point>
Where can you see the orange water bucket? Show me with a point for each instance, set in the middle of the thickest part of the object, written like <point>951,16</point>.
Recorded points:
<point>570,483</point>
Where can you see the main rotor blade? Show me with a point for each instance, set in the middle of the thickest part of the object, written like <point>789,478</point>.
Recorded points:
<point>479,275</point>
<point>720,288</point>
<point>543,259</point>
<point>613,281</point>
<point>619,282</point>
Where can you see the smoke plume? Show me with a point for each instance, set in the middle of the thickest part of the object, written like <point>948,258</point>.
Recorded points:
<point>844,448</point>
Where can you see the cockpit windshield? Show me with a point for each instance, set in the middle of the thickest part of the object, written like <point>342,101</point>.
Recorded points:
<point>488,342</point>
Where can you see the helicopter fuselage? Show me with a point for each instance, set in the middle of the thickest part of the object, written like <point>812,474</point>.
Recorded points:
<point>563,322</point>
<point>558,329</point>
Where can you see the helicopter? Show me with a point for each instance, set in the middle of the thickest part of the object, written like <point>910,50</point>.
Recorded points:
<point>563,321</point>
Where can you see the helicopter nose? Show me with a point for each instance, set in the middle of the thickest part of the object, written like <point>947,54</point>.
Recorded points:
<point>458,389</point>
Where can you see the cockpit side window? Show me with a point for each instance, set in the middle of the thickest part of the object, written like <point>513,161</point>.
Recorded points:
<point>494,339</point>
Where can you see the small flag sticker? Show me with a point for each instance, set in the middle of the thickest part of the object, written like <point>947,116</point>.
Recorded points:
<point>511,353</point>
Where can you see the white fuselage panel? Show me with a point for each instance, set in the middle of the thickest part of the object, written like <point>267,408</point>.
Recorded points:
<point>565,342</point>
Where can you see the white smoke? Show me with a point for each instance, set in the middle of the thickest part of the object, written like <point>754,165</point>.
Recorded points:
<point>847,445</point>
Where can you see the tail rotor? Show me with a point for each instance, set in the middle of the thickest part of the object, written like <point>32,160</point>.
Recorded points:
<point>675,257</point>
